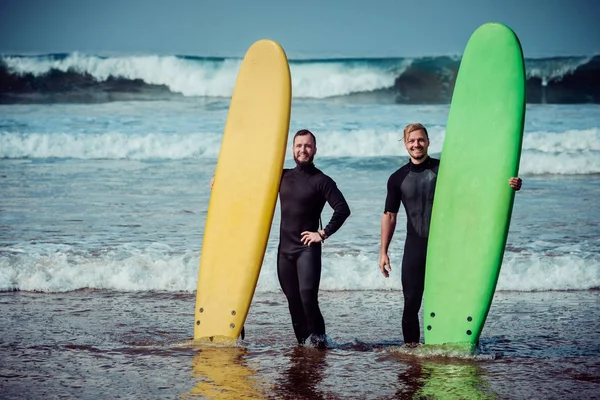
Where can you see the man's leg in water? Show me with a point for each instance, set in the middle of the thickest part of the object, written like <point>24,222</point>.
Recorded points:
<point>309,278</point>
<point>288,279</point>
<point>413,282</point>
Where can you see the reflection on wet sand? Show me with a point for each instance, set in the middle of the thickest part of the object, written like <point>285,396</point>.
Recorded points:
<point>301,380</point>
<point>410,382</point>
<point>230,373</point>
<point>224,373</point>
<point>443,380</point>
<point>441,377</point>
<point>453,380</point>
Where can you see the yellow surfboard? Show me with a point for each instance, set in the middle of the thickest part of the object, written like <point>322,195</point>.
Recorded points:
<point>244,194</point>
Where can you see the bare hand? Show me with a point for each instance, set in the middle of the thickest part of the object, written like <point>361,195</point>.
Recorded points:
<point>309,238</point>
<point>515,183</point>
<point>384,265</point>
<point>212,183</point>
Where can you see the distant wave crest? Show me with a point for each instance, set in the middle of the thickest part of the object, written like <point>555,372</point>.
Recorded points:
<point>77,77</point>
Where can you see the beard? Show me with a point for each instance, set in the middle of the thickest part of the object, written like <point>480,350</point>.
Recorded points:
<point>308,161</point>
<point>419,157</point>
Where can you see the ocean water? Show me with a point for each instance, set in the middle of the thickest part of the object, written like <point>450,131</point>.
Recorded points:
<point>104,192</point>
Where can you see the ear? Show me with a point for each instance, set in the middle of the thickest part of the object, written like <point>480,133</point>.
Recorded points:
<point>315,153</point>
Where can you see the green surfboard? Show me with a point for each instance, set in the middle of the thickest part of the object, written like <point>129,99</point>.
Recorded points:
<point>473,200</point>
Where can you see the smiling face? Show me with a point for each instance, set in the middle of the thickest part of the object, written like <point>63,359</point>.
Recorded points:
<point>417,143</point>
<point>304,149</point>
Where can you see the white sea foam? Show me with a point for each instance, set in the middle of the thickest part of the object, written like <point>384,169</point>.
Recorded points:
<point>553,68</point>
<point>211,77</point>
<point>156,268</point>
<point>570,152</point>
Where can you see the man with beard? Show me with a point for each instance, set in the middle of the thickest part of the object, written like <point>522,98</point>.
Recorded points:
<point>303,192</point>
<point>413,185</point>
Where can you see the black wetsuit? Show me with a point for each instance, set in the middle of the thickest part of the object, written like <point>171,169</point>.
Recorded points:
<point>414,186</point>
<point>303,193</point>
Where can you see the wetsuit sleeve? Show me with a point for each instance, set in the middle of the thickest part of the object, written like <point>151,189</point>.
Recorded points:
<point>394,196</point>
<point>335,198</point>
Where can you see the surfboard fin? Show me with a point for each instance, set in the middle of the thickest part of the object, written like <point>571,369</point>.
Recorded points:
<point>243,334</point>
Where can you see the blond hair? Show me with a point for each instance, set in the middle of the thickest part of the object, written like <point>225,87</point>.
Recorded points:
<point>414,127</point>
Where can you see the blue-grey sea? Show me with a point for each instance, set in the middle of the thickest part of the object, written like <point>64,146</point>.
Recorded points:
<point>102,212</point>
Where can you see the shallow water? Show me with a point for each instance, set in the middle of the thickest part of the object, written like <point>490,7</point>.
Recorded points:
<point>102,210</point>
<point>90,344</point>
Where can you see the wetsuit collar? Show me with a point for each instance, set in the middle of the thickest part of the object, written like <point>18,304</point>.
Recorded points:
<point>305,167</point>
<point>420,166</point>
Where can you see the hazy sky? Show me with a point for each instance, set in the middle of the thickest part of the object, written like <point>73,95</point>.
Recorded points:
<point>306,28</point>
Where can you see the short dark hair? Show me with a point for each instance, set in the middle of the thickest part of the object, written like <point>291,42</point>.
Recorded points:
<point>303,132</point>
